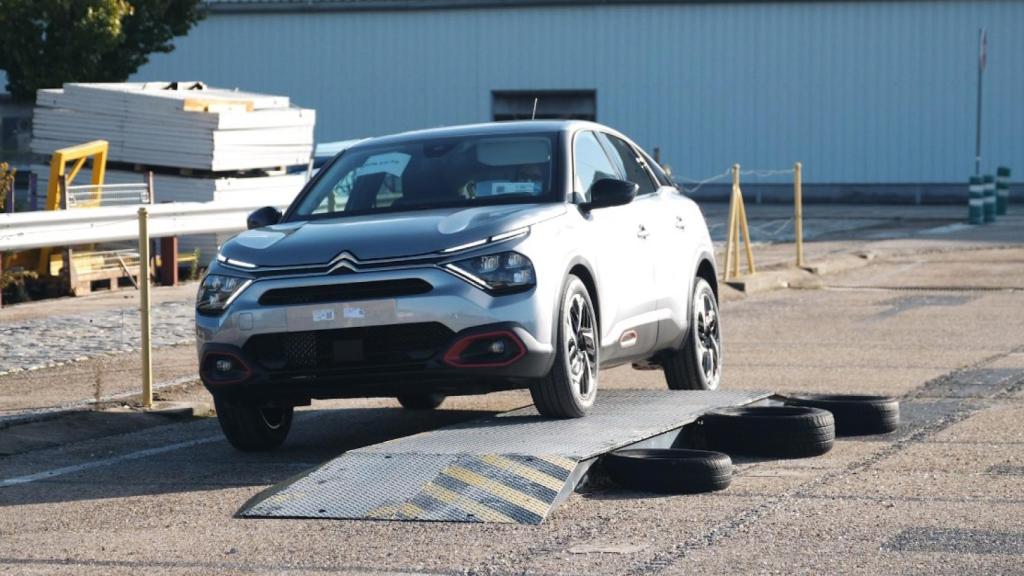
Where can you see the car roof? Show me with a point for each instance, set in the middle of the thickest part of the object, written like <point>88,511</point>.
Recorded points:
<point>331,149</point>
<point>502,128</point>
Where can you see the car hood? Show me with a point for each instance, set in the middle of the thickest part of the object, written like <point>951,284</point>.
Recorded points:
<point>376,236</point>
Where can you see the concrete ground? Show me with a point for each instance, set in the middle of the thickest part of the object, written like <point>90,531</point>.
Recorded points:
<point>935,318</point>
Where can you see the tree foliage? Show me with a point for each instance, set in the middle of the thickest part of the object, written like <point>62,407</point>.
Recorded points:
<point>7,174</point>
<point>45,43</point>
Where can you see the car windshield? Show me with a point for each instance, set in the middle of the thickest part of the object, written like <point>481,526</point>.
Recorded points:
<point>432,173</point>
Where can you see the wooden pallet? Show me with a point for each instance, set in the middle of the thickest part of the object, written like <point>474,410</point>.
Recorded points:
<point>83,272</point>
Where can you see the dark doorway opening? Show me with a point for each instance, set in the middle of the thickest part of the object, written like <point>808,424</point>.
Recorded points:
<point>551,104</point>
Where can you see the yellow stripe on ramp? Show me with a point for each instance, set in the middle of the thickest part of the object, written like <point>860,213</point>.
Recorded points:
<point>465,504</point>
<point>559,461</point>
<point>390,511</point>
<point>383,512</point>
<point>499,490</point>
<point>524,470</point>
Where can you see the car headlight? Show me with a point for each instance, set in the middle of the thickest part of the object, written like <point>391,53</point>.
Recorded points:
<point>499,273</point>
<point>216,292</point>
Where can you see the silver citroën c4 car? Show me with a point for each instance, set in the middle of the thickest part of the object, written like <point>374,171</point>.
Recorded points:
<point>460,261</point>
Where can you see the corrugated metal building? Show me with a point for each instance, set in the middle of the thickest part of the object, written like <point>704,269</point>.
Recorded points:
<point>875,97</point>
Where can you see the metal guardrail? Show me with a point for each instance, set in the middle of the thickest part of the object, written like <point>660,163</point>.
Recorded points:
<point>47,228</point>
<point>95,196</point>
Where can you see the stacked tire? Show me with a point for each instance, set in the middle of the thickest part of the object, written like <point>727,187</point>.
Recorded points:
<point>669,471</point>
<point>854,415</point>
<point>786,431</point>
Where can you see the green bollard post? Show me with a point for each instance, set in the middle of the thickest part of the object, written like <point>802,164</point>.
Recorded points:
<point>990,198</point>
<point>1002,190</point>
<point>976,201</point>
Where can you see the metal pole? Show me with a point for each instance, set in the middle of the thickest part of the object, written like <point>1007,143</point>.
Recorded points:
<point>62,191</point>
<point>33,191</point>
<point>147,360</point>
<point>798,216</point>
<point>977,121</point>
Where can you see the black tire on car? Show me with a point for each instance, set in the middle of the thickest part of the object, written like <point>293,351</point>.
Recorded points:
<point>697,365</point>
<point>773,431</point>
<point>252,427</point>
<point>420,400</point>
<point>855,415</point>
<point>669,471</point>
<point>569,388</point>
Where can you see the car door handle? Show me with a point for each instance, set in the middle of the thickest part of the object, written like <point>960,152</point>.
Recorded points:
<point>642,232</point>
<point>680,223</point>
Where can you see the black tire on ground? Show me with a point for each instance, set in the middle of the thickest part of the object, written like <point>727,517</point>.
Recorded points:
<point>697,365</point>
<point>669,471</point>
<point>420,401</point>
<point>570,387</point>
<point>854,414</point>
<point>775,431</point>
<point>251,427</point>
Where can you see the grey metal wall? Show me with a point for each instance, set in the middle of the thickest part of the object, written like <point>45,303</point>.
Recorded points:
<point>862,92</point>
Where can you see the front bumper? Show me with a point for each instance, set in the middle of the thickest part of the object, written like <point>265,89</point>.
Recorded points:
<point>462,310</point>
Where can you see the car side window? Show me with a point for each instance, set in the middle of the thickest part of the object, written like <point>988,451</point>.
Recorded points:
<point>659,173</point>
<point>591,163</point>
<point>633,170</point>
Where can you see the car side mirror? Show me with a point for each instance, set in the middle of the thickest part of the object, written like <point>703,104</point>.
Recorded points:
<point>608,192</point>
<point>266,216</point>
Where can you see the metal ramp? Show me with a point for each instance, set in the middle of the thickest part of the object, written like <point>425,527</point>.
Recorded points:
<point>515,467</point>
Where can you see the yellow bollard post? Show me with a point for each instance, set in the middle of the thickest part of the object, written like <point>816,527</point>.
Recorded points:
<point>746,237</point>
<point>737,201</point>
<point>798,212</point>
<point>731,228</point>
<point>144,309</point>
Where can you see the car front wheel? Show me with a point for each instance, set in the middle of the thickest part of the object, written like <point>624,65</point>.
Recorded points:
<point>253,427</point>
<point>697,365</point>
<point>570,387</point>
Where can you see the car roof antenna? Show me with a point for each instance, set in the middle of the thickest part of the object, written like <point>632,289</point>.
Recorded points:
<point>534,115</point>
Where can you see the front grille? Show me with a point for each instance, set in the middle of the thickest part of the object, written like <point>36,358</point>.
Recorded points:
<point>395,347</point>
<point>345,292</point>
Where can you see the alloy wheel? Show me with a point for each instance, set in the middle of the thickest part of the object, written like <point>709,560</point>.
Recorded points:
<point>273,416</point>
<point>708,337</point>
<point>580,345</point>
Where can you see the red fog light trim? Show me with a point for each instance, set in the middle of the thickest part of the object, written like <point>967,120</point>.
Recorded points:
<point>453,355</point>
<point>211,373</point>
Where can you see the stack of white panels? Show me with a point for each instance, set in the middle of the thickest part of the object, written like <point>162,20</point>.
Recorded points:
<point>180,125</point>
<point>277,191</point>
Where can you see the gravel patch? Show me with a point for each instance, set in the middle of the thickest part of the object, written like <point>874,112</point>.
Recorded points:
<point>57,340</point>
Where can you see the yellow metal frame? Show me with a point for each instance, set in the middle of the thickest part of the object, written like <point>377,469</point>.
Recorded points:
<point>60,178</point>
<point>97,150</point>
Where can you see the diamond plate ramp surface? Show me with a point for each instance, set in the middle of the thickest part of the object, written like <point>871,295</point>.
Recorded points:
<point>514,467</point>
